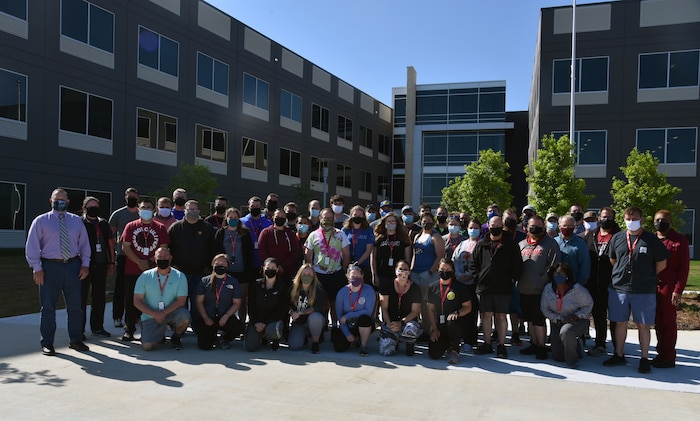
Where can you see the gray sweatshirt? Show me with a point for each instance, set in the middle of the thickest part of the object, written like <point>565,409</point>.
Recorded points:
<point>537,259</point>
<point>576,301</point>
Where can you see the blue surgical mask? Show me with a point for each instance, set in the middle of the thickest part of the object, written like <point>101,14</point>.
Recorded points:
<point>453,229</point>
<point>60,205</point>
<point>407,219</point>
<point>146,214</point>
<point>303,228</point>
<point>552,226</point>
<point>315,213</point>
<point>371,217</point>
<point>473,232</point>
<point>383,213</point>
<point>232,222</point>
<point>559,279</point>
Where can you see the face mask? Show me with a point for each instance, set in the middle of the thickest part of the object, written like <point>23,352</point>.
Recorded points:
<point>280,221</point>
<point>163,264</point>
<point>220,209</point>
<point>146,214</point>
<point>402,274</point>
<point>164,212</point>
<point>607,224</point>
<point>291,216</point>
<point>219,270</point>
<point>662,226</point>
<point>633,225</point>
<point>496,231</point>
<point>315,213</point>
<point>536,230</point>
<point>390,227</point>
<point>445,274</point>
<point>326,225</point>
<point>428,226</point>
<point>270,273</point>
<point>60,205</point>
<point>302,228</point>
<point>180,201</point>
<point>473,232</point>
<point>407,219</point>
<point>453,229</point>
<point>371,217</point>
<point>511,224</point>
<point>590,225</point>
<point>491,215</point>
<point>306,279</point>
<point>93,211</point>
<point>559,279</point>
<point>577,216</point>
<point>566,232</point>
<point>384,212</point>
<point>356,282</point>
<point>232,222</point>
<point>552,226</point>
<point>192,214</point>
<point>441,219</point>
<point>357,219</point>
<point>337,209</point>
<point>255,211</point>
<point>131,202</point>
<point>271,205</point>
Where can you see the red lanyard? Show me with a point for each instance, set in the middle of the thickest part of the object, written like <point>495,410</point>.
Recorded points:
<point>145,235</point>
<point>252,227</point>
<point>560,298</point>
<point>631,246</point>
<point>359,294</point>
<point>391,245</point>
<point>443,296</point>
<point>401,294</point>
<point>354,238</point>
<point>162,286</point>
<point>233,242</point>
<point>217,291</point>
<point>326,241</point>
<point>453,245</point>
<point>97,229</point>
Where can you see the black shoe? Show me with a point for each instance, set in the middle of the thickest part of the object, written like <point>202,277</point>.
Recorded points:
<point>541,353</point>
<point>101,332</point>
<point>484,349</point>
<point>502,353</point>
<point>363,351</point>
<point>128,337</point>
<point>423,338</point>
<point>315,349</point>
<point>644,365</point>
<point>657,363</point>
<point>48,350</point>
<point>78,346</point>
<point>410,349</point>
<point>176,340</point>
<point>530,350</point>
<point>615,360</point>
<point>274,345</point>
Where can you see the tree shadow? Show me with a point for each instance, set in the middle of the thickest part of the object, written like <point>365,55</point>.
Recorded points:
<point>10,375</point>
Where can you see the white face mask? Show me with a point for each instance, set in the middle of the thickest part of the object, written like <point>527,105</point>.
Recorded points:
<point>590,225</point>
<point>164,212</point>
<point>633,225</point>
<point>337,209</point>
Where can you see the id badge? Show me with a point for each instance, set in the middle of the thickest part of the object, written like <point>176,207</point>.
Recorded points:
<point>391,261</point>
<point>98,248</point>
<point>161,305</point>
<point>145,251</point>
<point>326,260</point>
<point>255,245</point>
<point>233,260</point>
<point>442,319</point>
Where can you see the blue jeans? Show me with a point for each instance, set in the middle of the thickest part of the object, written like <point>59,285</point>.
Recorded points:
<point>60,278</point>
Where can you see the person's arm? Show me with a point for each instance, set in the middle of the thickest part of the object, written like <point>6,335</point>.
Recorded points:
<point>439,244</point>
<point>346,256</point>
<point>180,301</point>
<point>660,266</point>
<point>263,241</point>
<point>413,315</point>
<point>434,331</point>
<point>309,249</point>
<point>202,312</point>
<point>407,254</point>
<point>364,259</point>
<point>384,303</point>
<point>463,311</point>
<point>373,267</point>
<point>544,305</point>
<point>584,264</point>
<point>131,255</point>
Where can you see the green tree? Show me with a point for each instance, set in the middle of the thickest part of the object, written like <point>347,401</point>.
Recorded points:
<point>645,188</point>
<point>198,182</point>
<point>553,185</point>
<point>483,183</point>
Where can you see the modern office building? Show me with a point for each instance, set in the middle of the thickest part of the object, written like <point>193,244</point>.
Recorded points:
<point>99,95</point>
<point>637,84</point>
<point>438,128</point>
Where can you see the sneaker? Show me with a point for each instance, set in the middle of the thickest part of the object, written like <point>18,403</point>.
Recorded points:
<point>315,349</point>
<point>484,349</point>
<point>657,363</point>
<point>644,365</point>
<point>48,350</point>
<point>225,344</point>
<point>515,339</point>
<point>530,350</point>
<point>454,358</point>
<point>101,332</point>
<point>597,351</point>
<point>615,360</point>
<point>410,349</point>
<point>128,337</point>
<point>118,323</point>
<point>176,340</point>
<point>541,353</point>
<point>275,345</point>
<point>363,351</point>
<point>81,347</point>
<point>502,353</point>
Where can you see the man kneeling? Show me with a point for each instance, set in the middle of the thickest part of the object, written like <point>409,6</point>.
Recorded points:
<point>161,294</point>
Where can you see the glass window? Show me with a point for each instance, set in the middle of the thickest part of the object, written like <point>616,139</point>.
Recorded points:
<point>664,70</point>
<point>343,176</point>
<point>290,163</point>
<point>684,68</point>
<point>158,52</point>
<point>669,146</point>
<point>317,165</point>
<point>366,136</point>
<point>74,19</point>
<point>400,110</point>
<point>431,107</point>
<point>652,140</point>
<point>12,213</point>
<point>101,28</point>
<point>211,143</point>
<point>384,188</point>
<point>86,114</point>
<point>16,8</point>
<point>384,146</point>
<point>212,74</point>
<point>399,153</point>
<point>489,103</point>
<point>320,118</point>
<point>688,228</point>
<point>76,197</point>
<point>453,148</point>
<point>255,91</point>
<point>591,75</point>
<point>87,23</point>
<point>398,182</point>
<point>254,154</point>
<point>290,106</point>
<point>344,128</point>
<point>99,117</point>
<point>156,131</point>
<point>13,96</point>
<point>653,70</point>
<point>366,178</point>
<point>591,147</point>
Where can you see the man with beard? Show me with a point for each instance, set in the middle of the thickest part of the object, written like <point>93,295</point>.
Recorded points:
<point>216,219</point>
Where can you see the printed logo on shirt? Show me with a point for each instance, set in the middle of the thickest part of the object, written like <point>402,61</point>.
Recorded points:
<point>529,252</point>
<point>145,240</point>
<point>451,295</point>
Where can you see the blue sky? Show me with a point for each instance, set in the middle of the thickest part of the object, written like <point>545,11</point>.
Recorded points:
<point>369,43</point>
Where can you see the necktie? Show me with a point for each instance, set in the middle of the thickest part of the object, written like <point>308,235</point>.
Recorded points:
<point>65,242</point>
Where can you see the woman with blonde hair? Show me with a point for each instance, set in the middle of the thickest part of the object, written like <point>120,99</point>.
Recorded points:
<point>308,303</point>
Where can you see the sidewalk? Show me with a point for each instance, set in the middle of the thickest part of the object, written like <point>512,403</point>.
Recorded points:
<point>120,381</point>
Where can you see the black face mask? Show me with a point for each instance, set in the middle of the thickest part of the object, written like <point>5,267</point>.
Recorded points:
<point>163,264</point>
<point>93,211</point>
<point>536,230</point>
<point>496,231</point>
<point>270,273</point>
<point>442,219</point>
<point>661,226</point>
<point>577,216</point>
<point>428,226</point>
<point>291,216</point>
<point>219,270</point>
<point>220,209</point>
<point>445,274</point>
<point>607,224</point>
<point>255,211</point>
<point>271,205</point>
<point>280,221</point>
<point>180,201</point>
<point>357,219</point>
<point>131,202</point>
<point>511,224</point>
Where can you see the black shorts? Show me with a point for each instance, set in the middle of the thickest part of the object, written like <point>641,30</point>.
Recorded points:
<point>332,283</point>
<point>530,304</point>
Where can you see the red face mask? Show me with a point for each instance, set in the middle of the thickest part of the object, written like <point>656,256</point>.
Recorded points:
<point>566,232</point>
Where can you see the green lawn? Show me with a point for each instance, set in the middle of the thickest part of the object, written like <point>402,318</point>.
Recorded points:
<point>694,277</point>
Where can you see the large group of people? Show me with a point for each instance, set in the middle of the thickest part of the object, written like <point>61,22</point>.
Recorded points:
<point>278,275</point>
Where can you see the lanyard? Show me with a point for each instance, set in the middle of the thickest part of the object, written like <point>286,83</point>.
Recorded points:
<point>359,294</point>
<point>443,296</point>
<point>162,286</point>
<point>453,246</point>
<point>326,241</point>
<point>354,239</point>
<point>391,245</point>
<point>252,228</point>
<point>630,245</point>
<point>217,291</point>
<point>233,239</point>
<point>145,235</point>
<point>97,229</point>
<point>401,294</point>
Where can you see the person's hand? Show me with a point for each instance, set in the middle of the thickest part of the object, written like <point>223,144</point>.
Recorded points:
<point>260,327</point>
<point>144,265</point>
<point>434,335</point>
<point>395,326</point>
<point>676,299</point>
<point>223,320</point>
<point>295,315</point>
<point>159,317</point>
<point>342,320</point>
<point>350,338</point>
<point>84,272</point>
<point>207,321</point>
<point>39,277</point>
<point>453,316</point>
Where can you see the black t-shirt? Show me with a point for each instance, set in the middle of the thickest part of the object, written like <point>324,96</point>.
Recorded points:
<point>389,247</point>
<point>398,311</point>
<point>639,274</point>
<point>455,294</point>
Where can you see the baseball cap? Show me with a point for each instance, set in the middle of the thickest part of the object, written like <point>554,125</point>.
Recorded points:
<point>590,214</point>
<point>529,207</point>
<point>551,215</point>
<point>385,203</point>
<point>406,208</point>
